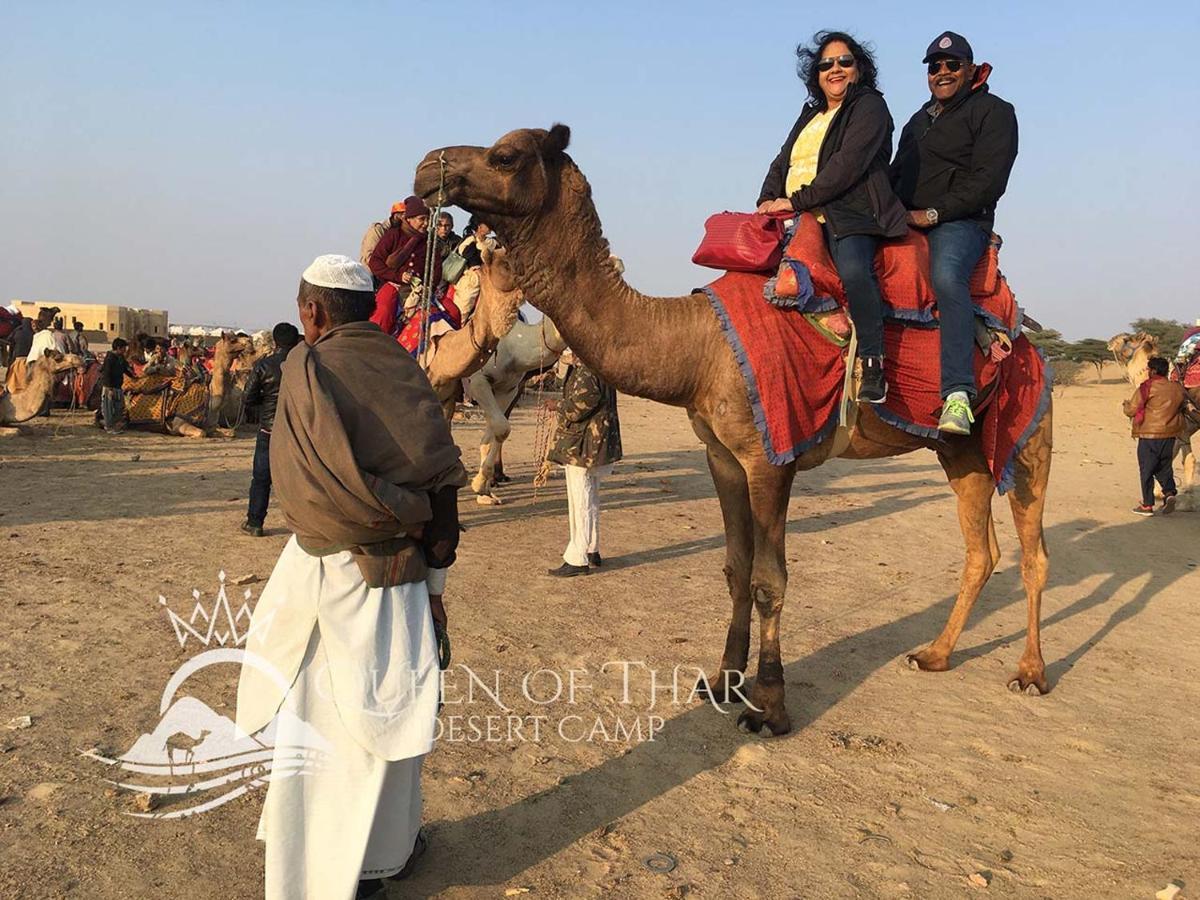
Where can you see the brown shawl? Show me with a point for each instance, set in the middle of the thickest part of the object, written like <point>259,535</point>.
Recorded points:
<point>358,444</point>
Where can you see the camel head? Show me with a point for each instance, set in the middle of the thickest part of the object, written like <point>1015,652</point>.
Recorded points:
<point>516,178</point>
<point>498,291</point>
<point>229,347</point>
<point>55,363</point>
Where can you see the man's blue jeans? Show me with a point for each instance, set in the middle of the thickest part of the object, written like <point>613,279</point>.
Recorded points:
<point>854,256</point>
<point>954,250</point>
<point>260,480</point>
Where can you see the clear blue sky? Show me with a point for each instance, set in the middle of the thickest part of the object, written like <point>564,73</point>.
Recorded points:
<point>197,156</point>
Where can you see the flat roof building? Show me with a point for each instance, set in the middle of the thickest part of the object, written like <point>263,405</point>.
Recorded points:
<point>102,319</point>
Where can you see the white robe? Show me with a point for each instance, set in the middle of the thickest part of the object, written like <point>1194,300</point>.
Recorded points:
<point>361,668</point>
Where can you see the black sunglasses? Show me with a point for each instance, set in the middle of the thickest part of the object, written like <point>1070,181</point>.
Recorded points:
<point>845,61</point>
<point>952,65</point>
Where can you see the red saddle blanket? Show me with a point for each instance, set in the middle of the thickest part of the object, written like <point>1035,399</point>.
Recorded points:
<point>794,366</point>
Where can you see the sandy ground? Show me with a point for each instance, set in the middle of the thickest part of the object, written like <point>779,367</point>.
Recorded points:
<point>893,784</point>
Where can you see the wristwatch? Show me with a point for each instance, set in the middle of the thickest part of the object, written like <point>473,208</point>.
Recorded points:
<point>931,216</point>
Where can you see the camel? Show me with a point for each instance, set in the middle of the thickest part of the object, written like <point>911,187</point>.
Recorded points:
<point>41,375</point>
<point>225,396</point>
<point>526,348</point>
<point>181,740</point>
<point>1132,353</point>
<point>460,354</point>
<point>672,350</point>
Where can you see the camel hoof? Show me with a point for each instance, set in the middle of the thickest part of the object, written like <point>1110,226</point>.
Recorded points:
<point>913,664</point>
<point>1029,689</point>
<point>489,500</point>
<point>751,722</point>
<point>925,662</point>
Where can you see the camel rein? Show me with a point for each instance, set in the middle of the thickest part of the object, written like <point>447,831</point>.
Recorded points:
<point>428,286</point>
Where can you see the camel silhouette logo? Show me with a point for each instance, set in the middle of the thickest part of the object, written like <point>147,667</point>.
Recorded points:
<point>196,759</point>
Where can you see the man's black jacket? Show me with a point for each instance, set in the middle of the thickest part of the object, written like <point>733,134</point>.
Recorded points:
<point>959,161</point>
<point>263,386</point>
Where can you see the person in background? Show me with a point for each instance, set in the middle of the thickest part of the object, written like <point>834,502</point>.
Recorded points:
<point>43,337</point>
<point>587,441</point>
<point>78,341</point>
<point>400,254</point>
<point>61,344</point>
<point>1156,409</point>
<point>446,241</point>
<point>262,390</point>
<point>466,290</point>
<point>834,164</point>
<point>112,379</point>
<point>377,230</point>
<point>951,169</point>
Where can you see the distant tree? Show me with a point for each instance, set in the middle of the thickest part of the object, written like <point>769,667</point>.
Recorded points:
<point>1049,341</point>
<point>1168,331</point>
<point>1089,350</point>
<point>1065,372</point>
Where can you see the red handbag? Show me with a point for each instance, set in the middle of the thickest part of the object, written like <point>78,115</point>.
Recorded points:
<point>741,242</point>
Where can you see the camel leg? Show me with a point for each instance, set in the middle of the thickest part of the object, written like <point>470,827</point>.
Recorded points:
<point>1028,499</point>
<point>495,433</point>
<point>770,489</point>
<point>973,485</point>
<point>732,491</point>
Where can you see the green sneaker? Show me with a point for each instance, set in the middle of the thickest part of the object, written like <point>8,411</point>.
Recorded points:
<point>956,415</point>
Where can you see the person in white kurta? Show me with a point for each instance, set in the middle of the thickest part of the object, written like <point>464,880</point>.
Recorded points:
<point>587,441</point>
<point>362,664</point>
<point>348,672</point>
<point>42,341</point>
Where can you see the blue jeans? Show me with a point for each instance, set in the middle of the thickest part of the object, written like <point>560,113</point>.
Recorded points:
<point>260,480</point>
<point>954,250</point>
<point>854,256</point>
<point>112,407</point>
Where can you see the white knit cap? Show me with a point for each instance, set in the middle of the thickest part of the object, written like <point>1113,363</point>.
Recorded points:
<point>336,271</point>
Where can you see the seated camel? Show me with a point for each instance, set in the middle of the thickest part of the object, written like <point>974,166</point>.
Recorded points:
<point>22,405</point>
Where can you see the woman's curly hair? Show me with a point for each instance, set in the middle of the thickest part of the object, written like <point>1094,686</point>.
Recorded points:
<point>807,58</point>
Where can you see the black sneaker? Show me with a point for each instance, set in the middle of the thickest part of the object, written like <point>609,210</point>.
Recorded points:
<point>595,560</point>
<point>566,570</point>
<point>370,889</point>
<point>873,388</point>
<point>501,478</point>
<point>252,530</point>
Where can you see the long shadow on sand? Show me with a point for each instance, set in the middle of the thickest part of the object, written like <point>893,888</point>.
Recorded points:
<point>495,846</point>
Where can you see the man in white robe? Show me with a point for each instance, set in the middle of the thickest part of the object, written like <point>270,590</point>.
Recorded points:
<point>367,478</point>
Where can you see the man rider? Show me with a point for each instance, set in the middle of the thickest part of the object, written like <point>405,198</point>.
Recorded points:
<point>952,165</point>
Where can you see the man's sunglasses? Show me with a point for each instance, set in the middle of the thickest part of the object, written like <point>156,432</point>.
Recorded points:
<point>952,65</point>
<point>845,61</point>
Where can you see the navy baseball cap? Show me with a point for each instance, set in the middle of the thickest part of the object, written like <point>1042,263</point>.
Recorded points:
<point>950,44</point>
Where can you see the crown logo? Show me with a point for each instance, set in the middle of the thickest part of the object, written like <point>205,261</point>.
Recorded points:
<point>219,624</point>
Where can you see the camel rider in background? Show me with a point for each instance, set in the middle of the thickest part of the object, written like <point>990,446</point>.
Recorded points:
<point>951,167</point>
<point>376,232</point>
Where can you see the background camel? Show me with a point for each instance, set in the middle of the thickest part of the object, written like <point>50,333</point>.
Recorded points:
<point>526,348</point>
<point>672,350</point>
<point>1132,353</point>
<point>23,405</point>
<point>460,354</point>
<point>225,395</point>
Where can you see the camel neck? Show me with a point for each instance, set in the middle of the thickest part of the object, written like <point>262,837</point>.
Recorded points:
<point>562,262</point>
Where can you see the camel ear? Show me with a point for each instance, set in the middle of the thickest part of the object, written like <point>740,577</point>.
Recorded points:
<point>556,140</point>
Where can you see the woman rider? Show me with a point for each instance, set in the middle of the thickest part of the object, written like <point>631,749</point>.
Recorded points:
<point>834,165</point>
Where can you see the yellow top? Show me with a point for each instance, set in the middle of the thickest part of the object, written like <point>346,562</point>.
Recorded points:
<point>802,165</point>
